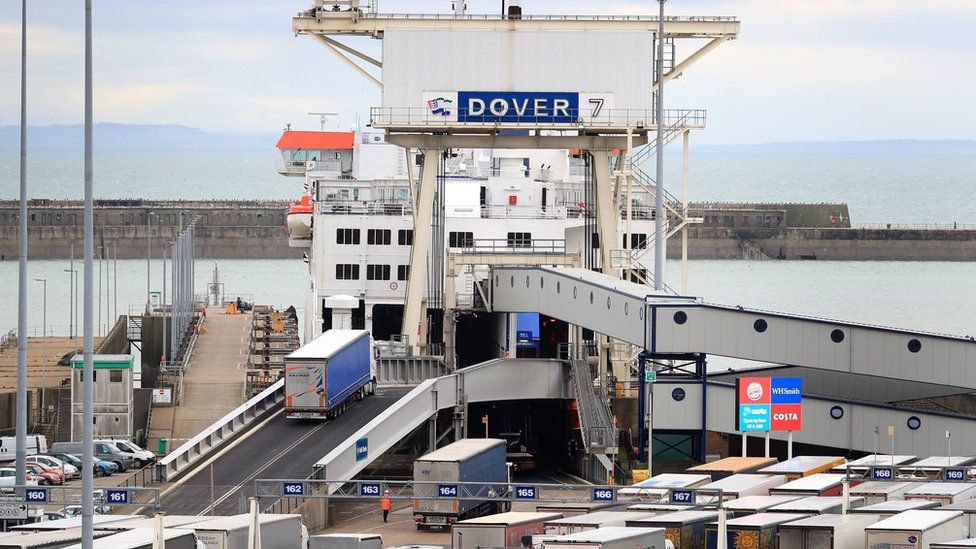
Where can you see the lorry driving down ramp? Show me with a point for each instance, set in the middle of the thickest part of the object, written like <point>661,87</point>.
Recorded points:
<point>328,373</point>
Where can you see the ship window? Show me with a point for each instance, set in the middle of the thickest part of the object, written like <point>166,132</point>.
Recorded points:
<point>345,271</point>
<point>639,241</point>
<point>460,239</point>
<point>405,237</point>
<point>519,240</point>
<point>115,376</point>
<point>403,272</point>
<point>377,272</point>
<point>595,241</point>
<point>347,236</point>
<point>378,237</point>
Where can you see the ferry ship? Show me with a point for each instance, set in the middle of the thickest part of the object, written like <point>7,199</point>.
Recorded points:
<point>356,223</point>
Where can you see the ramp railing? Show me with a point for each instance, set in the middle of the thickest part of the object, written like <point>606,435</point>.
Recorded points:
<point>231,425</point>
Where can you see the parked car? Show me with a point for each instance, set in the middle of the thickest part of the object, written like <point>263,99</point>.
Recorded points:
<point>44,476</point>
<point>102,468</point>
<point>141,456</point>
<point>51,462</point>
<point>75,510</point>
<point>103,450</point>
<point>8,477</point>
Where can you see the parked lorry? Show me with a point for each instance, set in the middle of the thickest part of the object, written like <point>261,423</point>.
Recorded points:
<point>915,530</point>
<point>501,530</point>
<point>442,495</point>
<point>328,374</point>
<point>277,531</point>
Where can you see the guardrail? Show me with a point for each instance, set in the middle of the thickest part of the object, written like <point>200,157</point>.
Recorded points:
<point>227,427</point>
<point>902,473</point>
<point>566,118</point>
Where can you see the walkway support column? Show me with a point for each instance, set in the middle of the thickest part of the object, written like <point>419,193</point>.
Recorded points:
<point>423,210</point>
<point>606,210</point>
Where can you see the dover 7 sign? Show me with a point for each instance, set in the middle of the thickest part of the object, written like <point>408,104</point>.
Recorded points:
<point>768,404</point>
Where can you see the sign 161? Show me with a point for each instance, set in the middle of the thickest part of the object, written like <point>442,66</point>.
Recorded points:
<point>117,496</point>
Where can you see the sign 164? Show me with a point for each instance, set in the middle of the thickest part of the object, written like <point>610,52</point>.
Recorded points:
<point>447,490</point>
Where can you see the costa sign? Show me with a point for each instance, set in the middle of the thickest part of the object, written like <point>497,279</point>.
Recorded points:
<point>768,404</point>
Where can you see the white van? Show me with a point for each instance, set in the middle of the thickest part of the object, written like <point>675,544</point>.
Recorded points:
<point>36,444</point>
<point>140,456</point>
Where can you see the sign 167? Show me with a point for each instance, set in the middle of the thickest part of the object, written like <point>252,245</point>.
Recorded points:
<point>681,497</point>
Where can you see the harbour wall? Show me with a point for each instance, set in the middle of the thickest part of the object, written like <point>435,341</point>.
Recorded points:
<point>229,229</point>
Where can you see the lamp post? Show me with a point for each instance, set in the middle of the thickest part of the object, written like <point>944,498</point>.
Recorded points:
<point>148,261</point>
<point>43,342</point>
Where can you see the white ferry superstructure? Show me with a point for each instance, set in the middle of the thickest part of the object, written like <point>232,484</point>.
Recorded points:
<point>362,226</point>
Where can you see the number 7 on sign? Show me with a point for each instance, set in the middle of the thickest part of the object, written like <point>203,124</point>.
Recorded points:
<point>597,106</point>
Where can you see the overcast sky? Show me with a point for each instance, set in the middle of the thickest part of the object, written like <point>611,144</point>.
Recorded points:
<point>801,70</point>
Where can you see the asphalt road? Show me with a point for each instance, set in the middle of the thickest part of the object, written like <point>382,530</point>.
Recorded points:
<point>281,449</point>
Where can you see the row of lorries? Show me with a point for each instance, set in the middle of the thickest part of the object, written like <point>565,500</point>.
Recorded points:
<point>62,461</point>
<point>769,505</point>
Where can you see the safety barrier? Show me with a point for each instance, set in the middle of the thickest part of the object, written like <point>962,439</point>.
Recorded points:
<point>227,427</point>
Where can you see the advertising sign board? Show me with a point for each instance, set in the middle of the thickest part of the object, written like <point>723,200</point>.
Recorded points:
<point>768,404</point>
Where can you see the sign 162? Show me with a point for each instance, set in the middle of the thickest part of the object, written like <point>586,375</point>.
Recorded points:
<point>293,488</point>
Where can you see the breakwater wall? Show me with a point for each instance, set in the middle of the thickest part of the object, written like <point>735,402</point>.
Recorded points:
<point>228,229</point>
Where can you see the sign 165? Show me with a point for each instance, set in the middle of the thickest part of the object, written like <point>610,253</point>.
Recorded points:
<point>525,492</point>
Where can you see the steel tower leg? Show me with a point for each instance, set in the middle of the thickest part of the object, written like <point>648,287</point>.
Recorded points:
<point>423,211</point>
<point>606,210</point>
<point>88,385</point>
<point>21,423</point>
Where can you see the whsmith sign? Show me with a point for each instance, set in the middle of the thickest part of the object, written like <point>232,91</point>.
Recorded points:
<point>768,404</point>
<point>484,107</point>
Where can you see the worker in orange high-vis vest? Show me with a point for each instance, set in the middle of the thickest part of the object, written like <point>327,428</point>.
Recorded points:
<point>386,505</point>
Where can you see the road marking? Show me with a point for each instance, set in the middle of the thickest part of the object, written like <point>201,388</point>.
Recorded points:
<point>196,470</point>
<point>255,474</point>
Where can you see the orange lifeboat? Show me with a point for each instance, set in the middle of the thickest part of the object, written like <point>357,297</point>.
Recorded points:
<point>298,222</point>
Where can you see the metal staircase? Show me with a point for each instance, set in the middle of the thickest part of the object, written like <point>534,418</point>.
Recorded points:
<point>596,422</point>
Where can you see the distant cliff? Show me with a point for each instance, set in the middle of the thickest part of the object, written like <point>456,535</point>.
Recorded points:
<point>136,136</point>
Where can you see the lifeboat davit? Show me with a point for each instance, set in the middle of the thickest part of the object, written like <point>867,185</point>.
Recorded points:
<point>298,222</point>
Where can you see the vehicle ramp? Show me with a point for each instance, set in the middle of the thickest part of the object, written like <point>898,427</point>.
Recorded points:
<point>680,325</point>
<point>486,382</point>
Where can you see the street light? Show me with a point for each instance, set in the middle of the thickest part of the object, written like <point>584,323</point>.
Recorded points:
<point>149,260</point>
<point>43,343</point>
